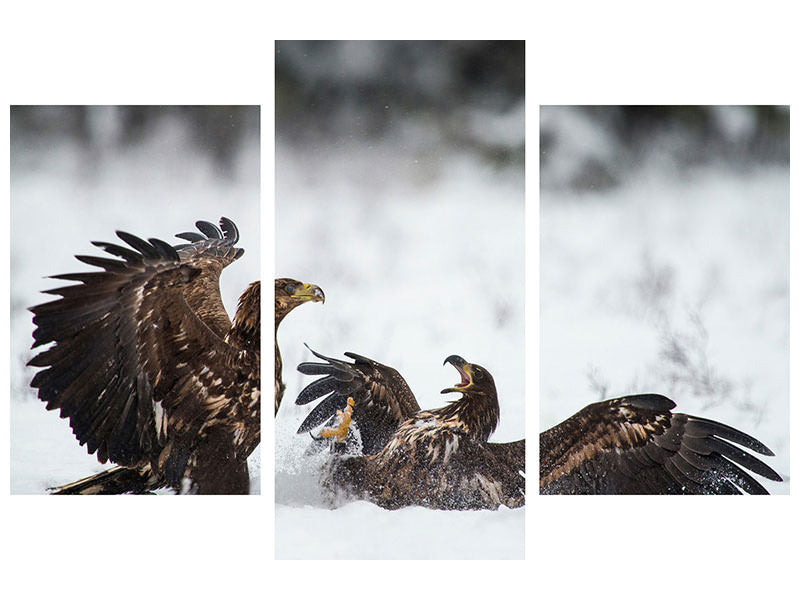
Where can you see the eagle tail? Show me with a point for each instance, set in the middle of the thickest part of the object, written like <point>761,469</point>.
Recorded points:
<point>119,480</point>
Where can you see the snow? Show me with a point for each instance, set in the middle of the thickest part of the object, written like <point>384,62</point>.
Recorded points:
<point>63,196</point>
<point>420,252</point>
<point>361,530</point>
<point>675,282</point>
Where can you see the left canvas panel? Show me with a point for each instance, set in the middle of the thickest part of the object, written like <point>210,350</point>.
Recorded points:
<point>152,362</point>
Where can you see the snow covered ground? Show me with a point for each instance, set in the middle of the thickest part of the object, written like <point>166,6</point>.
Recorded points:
<point>674,282</point>
<point>62,197</point>
<point>420,255</point>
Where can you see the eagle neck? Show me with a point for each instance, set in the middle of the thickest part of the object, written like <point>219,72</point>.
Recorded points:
<point>476,413</point>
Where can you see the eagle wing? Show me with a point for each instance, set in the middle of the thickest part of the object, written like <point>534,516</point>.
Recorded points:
<point>382,398</point>
<point>496,470</point>
<point>139,364</point>
<point>636,445</point>
<point>211,252</point>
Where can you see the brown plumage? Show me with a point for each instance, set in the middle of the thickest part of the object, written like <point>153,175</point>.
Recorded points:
<point>438,458</point>
<point>149,369</point>
<point>289,294</point>
<point>382,397</point>
<point>636,445</point>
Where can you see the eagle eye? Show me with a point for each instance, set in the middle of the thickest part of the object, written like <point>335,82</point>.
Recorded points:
<point>290,288</point>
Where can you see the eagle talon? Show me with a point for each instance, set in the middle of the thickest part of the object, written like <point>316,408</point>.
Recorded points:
<point>338,432</point>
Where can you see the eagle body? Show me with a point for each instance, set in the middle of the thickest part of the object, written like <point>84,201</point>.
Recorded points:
<point>437,458</point>
<point>637,445</point>
<point>149,369</point>
<point>434,463</point>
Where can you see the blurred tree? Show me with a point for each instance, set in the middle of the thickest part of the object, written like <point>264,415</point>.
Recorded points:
<point>364,90</point>
<point>593,146</point>
<point>218,131</point>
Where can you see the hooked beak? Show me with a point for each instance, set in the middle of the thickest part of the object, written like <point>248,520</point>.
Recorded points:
<point>310,293</point>
<point>464,369</point>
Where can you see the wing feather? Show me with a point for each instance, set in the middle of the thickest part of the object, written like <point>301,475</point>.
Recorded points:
<point>699,427</point>
<point>382,397</point>
<point>323,412</point>
<point>128,255</point>
<point>210,253</point>
<point>636,445</point>
<point>138,244</point>
<point>109,264</point>
<point>322,387</point>
<point>134,337</point>
<point>190,236</point>
<point>210,230</point>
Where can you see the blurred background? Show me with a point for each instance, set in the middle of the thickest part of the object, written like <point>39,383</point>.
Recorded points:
<point>400,191</point>
<point>430,98</point>
<point>665,262</point>
<point>79,173</point>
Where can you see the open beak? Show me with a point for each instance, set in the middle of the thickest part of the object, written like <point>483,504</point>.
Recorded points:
<point>464,369</point>
<point>310,293</point>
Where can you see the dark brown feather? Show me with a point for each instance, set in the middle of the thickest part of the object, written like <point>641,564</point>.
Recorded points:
<point>149,369</point>
<point>382,397</point>
<point>636,445</point>
<point>438,458</point>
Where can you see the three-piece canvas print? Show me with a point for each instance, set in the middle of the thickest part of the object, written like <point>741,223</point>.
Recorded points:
<point>400,383</point>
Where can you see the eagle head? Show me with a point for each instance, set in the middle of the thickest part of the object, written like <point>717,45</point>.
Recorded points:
<point>290,293</point>
<point>474,378</point>
<point>477,410</point>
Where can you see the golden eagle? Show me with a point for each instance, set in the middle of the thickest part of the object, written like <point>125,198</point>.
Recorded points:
<point>148,368</point>
<point>289,294</point>
<point>438,458</point>
<point>636,445</point>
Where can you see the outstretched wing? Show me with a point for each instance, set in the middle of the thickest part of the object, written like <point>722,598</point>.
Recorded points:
<point>382,397</point>
<point>636,445</point>
<point>138,362</point>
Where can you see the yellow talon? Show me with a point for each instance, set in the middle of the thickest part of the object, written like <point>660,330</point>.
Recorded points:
<point>339,430</point>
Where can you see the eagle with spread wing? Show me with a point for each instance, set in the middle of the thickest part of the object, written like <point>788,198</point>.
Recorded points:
<point>149,369</point>
<point>438,458</point>
<point>637,445</point>
<point>289,294</point>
